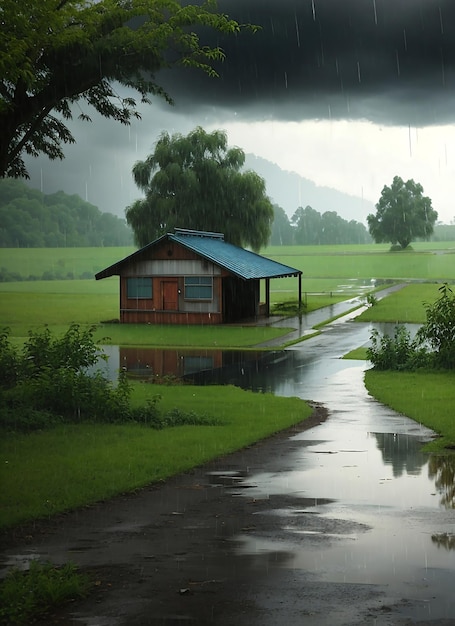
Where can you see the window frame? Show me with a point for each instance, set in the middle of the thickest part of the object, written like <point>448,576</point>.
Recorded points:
<point>197,284</point>
<point>139,293</point>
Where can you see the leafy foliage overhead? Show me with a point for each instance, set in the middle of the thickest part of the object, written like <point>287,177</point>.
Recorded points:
<point>54,53</point>
<point>195,181</point>
<point>403,214</point>
<point>31,219</point>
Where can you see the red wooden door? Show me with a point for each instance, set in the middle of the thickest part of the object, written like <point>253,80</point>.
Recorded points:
<point>169,295</point>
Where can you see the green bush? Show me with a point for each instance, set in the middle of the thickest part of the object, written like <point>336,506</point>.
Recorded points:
<point>433,346</point>
<point>9,361</point>
<point>53,381</point>
<point>439,329</point>
<point>26,419</point>
<point>399,352</point>
<point>75,350</point>
<point>50,382</point>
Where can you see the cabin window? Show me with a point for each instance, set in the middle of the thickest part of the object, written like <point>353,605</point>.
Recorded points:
<point>140,287</point>
<point>198,288</point>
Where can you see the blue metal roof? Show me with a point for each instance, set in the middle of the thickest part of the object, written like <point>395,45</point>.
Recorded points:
<point>238,261</point>
<point>211,246</point>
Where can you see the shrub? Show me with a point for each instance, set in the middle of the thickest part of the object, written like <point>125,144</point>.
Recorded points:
<point>49,382</point>
<point>439,329</point>
<point>53,382</point>
<point>75,350</point>
<point>371,299</point>
<point>396,353</point>
<point>26,419</point>
<point>433,346</point>
<point>9,361</point>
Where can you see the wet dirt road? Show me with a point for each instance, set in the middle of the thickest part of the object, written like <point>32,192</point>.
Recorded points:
<point>387,523</point>
<point>340,524</point>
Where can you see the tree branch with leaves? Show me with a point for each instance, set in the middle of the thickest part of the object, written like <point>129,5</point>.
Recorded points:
<point>54,54</point>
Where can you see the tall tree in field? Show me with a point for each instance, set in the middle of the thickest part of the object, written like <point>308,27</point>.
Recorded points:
<point>54,53</point>
<point>307,222</point>
<point>195,181</point>
<point>403,214</point>
<point>282,230</point>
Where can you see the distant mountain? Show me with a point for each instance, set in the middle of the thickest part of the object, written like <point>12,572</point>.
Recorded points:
<point>289,191</point>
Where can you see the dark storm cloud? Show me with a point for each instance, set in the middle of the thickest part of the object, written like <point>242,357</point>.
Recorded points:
<point>390,61</point>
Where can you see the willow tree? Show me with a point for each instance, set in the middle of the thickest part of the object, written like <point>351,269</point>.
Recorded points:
<point>403,214</point>
<point>54,53</point>
<point>196,181</point>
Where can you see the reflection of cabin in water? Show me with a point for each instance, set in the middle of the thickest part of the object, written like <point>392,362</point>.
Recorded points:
<point>214,365</point>
<point>194,277</point>
<point>150,362</point>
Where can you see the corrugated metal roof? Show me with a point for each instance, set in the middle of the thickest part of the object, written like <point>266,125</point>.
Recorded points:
<point>238,261</point>
<point>211,246</point>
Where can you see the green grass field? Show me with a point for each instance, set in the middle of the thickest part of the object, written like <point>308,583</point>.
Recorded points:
<point>69,466</point>
<point>426,260</point>
<point>36,261</point>
<point>404,306</point>
<point>428,398</point>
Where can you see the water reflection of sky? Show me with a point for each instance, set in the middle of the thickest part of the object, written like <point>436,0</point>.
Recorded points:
<point>355,473</point>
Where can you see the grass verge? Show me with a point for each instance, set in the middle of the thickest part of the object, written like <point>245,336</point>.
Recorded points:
<point>52,471</point>
<point>426,397</point>
<point>404,306</point>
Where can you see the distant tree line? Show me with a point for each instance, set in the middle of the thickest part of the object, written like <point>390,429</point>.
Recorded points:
<point>444,232</point>
<point>309,227</point>
<point>31,219</point>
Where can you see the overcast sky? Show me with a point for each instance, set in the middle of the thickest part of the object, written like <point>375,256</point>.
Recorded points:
<point>347,93</point>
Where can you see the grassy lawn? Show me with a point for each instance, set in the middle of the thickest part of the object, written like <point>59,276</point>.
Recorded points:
<point>69,466</point>
<point>406,305</point>
<point>428,398</point>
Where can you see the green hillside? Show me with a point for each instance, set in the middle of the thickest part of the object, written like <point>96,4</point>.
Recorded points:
<point>31,219</point>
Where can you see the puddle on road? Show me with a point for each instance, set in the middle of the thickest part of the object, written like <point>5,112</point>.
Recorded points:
<point>389,518</point>
<point>384,512</point>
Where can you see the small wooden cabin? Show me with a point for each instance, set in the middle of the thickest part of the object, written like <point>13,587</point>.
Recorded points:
<point>194,277</point>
